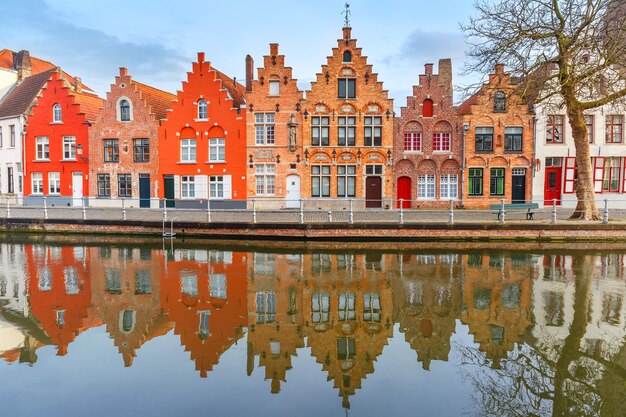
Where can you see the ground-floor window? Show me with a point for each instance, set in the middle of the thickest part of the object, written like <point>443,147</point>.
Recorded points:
<point>449,186</point>
<point>216,187</point>
<point>10,180</point>
<point>496,182</point>
<point>37,181</point>
<point>104,185</point>
<point>54,182</point>
<point>320,181</point>
<point>124,185</point>
<point>265,179</point>
<point>346,181</point>
<point>188,186</point>
<point>612,170</point>
<point>475,183</point>
<point>426,186</point>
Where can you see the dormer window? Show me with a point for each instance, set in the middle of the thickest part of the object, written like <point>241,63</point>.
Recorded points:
<point>57,114</point>
<point>499,102</point>
<point>202,109</point>
<point>347,56</point>
<point>274,87</point>
<point>125,111</point>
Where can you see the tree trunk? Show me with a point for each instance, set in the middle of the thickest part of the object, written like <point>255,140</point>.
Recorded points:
<point>586,207</point>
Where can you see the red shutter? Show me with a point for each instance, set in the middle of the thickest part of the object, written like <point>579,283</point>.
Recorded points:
<point>598,174</point>
<point>570,174</point>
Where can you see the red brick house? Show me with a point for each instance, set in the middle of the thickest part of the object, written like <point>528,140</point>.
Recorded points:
<point>56,144</point>
<point>274,134</point>
<point>202,143</point>
<point>428,143</point>
<point>124,157</point>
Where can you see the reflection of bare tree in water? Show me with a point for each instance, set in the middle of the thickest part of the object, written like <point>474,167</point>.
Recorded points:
<point>532,381</point>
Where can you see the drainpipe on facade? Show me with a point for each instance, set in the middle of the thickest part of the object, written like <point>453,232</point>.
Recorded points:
<point>533,163</point>
<point>465,129</point>
<point>20,196</point>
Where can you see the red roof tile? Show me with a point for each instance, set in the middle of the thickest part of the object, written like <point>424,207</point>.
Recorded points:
<point>90,104</point>
<point>158,100</point>
<point>237,91</point>
<point>20,99</point>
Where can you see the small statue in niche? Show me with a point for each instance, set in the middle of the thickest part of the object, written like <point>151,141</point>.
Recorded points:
<point>292,124</point>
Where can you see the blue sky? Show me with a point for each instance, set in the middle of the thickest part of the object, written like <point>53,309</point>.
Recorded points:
<point>158,39</point>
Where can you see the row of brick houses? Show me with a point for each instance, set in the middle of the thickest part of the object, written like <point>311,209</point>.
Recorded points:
<point>222,144</point>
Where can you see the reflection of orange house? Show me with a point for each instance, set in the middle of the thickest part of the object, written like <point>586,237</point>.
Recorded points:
<point>204,294</point>
<point>499,143</point>
<point>348,308</point>
<point>428,302</point>
<point>60,292</point>
<point>126,289</point>
<point>497,298</point>
<point>275,316</point>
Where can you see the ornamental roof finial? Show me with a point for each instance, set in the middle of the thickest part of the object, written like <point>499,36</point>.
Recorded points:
<point>346,13</point>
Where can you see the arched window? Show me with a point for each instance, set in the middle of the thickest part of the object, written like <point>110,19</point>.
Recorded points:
<point>57,115</point>
<point>427,108</point>
<point>125,111</point>
<point>499,102</point>
<point>202,112</point>
<point>347,56</point>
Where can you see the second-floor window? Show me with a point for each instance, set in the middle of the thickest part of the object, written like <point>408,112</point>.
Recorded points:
<point>57,114</point>
<point>614,129</point>
<point>12,136</point>
<point>554,129</point>
<point>69,147</point>
<point>43,148</point>
<point>141,150</point>
<point>125,111</point>
<point>484,139</point>
<point>111,150</point>
<point>441,141</point>
<point>513,139</point>
<point>589,125</point>
<point>412,141</point>
<point>264,128</point>
<point>346,132</point>
<point>373,133</point>
<point>187,150</point>
<point>346,88</point>
<point>217,150</point>
<point>202,109</point>
<point>319,131</point>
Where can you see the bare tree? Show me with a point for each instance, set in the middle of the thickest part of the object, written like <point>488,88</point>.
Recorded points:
<point>567,52</point>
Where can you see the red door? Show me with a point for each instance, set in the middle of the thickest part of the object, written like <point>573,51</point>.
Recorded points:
<point>552,186</point>
<point>404,192</point>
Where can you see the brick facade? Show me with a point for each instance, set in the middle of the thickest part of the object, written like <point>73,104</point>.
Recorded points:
<point>504,122</point>
<point>209,110</point>
<point>347,91</point>
<point>428,146</point>
<point>147,105</point>
<point>275,152</point>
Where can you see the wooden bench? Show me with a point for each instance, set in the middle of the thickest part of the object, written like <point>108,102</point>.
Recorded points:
<point>528,207</point>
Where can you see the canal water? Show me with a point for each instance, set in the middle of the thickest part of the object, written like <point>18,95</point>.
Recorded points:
<point>175,329</point>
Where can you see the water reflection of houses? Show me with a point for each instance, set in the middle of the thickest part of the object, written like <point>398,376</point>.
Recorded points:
<point>275,317</point>
<point>204,294</point>
<point>59,290</point>
<point>348,313</point>
<point>497,301</point>
<point>126,295</point>
<point>428,302</point>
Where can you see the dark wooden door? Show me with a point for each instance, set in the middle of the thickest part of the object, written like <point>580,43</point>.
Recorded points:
<point>518,193</point>
<point>373,192</point>
<point>144,190</point>
<point>168,187</point>
<point>404,192</point>
<point>552,186</point>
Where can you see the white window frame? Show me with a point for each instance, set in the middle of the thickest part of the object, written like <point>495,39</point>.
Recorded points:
<point>449,187</point>
<point>187,187</point>
<point>187,147</point>
<point>69,148</point>
<point>274,87</point>
<point>426,187</point>
<point>264,128</point>
<point>57,113</point>
<point>265,177</point>
<point>217,150</point>
<point>216,187</point>
<point>54,183</point>
<point>37,183</point>
<point>42,147</point>
<point>203,113</point>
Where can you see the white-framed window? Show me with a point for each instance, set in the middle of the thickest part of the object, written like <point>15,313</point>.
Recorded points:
<point>42,148</point>
<point>125,114</point>
<point>320,131</point>
<point>373,131</point>
<point>202,110</point>
<point>12,136</point>
<point>412,141</point>
<point>265,179</point>
<point>189,283</point>
<point>216,187</point>
<point>71,280</point>
<point>264,128</point>
<point>265,307</point>
<point>203,328</point>
<point>57,113</point>
<point>69,147</point>
<point>217,284</point>
<point>320,181</point>
<point>1,142</point>
<point>60,320</point>
<point>274,87</point>
<point>426,186</point>
<point>188,186</point>
<point>346,131</point>
<point>37,182</point>
<point>217,150</point>
<point>54,182</point>
<point>449,186</point>
<point>346,180</point>
<point>441,142</point>
<point>187,150</point>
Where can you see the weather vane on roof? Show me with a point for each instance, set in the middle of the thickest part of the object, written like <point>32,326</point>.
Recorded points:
<point>346,14</point>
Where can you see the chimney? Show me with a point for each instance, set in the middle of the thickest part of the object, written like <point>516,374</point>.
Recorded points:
<point>249,73</point>
<point>428,68</point>
<point>123,71</point>
<point>273,49</point>
<point>200,57</point>
<point>499,69</point>
<point>347,33</point>
<point>445,74</point>
<point>78,85</point>
<point>21,63</point>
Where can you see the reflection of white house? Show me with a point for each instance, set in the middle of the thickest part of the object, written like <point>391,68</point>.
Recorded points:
<point>11,337</point>
<point>555,165</point>
<point>13,279</point>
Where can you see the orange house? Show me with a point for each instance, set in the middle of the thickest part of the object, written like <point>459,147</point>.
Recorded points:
<point>56,144</point>
<point>202,143</point>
